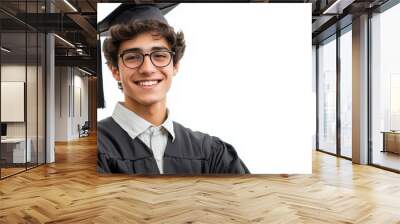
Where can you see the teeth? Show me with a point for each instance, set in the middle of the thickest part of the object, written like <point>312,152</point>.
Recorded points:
<point>148,83</point>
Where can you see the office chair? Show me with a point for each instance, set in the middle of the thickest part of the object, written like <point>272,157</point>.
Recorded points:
<point>84,130</point>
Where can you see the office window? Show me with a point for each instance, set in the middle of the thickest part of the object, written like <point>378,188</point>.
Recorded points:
<point>327,95</point>
<point>385,89</point>
<point>346,93</point>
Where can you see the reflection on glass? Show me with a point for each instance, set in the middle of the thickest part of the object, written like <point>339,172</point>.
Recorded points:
<point>327,96</point>
<point>13,85</point>
<point>386,89</point>
<point>23,88</point>
<point>346,94</point>
<point>31,101</point>
<point>41,99</point>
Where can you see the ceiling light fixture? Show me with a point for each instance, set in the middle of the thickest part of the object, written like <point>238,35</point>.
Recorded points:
<point>86,72</point>
<point>65,41</point>
<point>70,5</point>
<point>5,50</point>
<point>338,6</point>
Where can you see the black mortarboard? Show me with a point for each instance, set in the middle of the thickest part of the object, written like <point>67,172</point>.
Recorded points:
<point>128,12</point>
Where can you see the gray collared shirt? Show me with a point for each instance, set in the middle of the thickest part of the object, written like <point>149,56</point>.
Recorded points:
<point>155,137</point>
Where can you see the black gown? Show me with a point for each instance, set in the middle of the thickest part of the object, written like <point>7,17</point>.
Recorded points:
<point>190,153</point>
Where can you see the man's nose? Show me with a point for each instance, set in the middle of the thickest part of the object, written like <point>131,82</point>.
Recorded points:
<point>147,66</point>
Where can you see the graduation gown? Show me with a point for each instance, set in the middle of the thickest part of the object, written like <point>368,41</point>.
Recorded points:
<point>190,153</point>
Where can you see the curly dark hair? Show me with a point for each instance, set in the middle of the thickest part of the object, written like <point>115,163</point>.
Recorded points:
<point>123,32</point>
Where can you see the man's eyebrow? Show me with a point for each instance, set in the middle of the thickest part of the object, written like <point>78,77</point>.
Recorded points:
<point>159,48</point>
<point>141,50</point>
<point>132,49</point>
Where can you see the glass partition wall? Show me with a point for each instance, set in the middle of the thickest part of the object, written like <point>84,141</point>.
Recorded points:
<point>13,87</point>
<point>22,79</point>
<point>334,58</point>
<point>385,89</point>
<point>327,95</point>
<point>334,75</point>
<point>345,61</point>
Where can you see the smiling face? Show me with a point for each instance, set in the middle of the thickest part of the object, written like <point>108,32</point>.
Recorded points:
<point>147,84</point>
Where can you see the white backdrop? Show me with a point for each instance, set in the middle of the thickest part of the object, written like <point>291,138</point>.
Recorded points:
<point>245,77</point>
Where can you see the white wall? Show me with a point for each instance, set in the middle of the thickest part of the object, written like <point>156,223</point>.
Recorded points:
<point>69,85</point>
<point>12,73</point>
<point>80,94</point>
<point>33,126</point>
<point>61,103</point>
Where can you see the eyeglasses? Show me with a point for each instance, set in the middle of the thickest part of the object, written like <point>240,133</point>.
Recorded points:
<point>159,58</point>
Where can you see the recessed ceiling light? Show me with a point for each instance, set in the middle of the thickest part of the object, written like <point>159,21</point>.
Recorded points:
<point>70,5</point>
<point>338,6</point>
<point>86,72</point>
<point>5,50</point>
<point>64,40</point>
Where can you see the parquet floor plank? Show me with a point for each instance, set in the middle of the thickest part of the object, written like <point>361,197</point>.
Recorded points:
<point>70,191</point>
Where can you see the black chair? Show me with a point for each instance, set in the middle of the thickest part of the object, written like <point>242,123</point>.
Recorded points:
<point>84,130</point>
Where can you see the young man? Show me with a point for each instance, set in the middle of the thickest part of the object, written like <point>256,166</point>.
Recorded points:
<point>143,54</point>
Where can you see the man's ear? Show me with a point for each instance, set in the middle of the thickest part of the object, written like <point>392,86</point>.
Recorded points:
<point>176,68</point>
<point>115,72</point>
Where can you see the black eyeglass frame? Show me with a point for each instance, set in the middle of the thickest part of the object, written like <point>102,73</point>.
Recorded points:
<point>172,53</point>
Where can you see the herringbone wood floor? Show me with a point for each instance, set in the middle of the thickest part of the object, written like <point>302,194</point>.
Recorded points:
<point>70,191</point>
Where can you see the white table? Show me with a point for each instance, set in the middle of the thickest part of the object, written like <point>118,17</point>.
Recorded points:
<point>18,145</point>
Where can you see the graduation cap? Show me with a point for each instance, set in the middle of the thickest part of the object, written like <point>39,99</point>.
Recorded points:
<point>125,13</point>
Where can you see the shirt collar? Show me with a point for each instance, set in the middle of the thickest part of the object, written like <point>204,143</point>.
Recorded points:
<point>134,125</point>
<point>169,125</point>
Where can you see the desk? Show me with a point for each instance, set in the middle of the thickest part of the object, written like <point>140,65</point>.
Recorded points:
<point>391,141</point>
<point>15,148</point>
